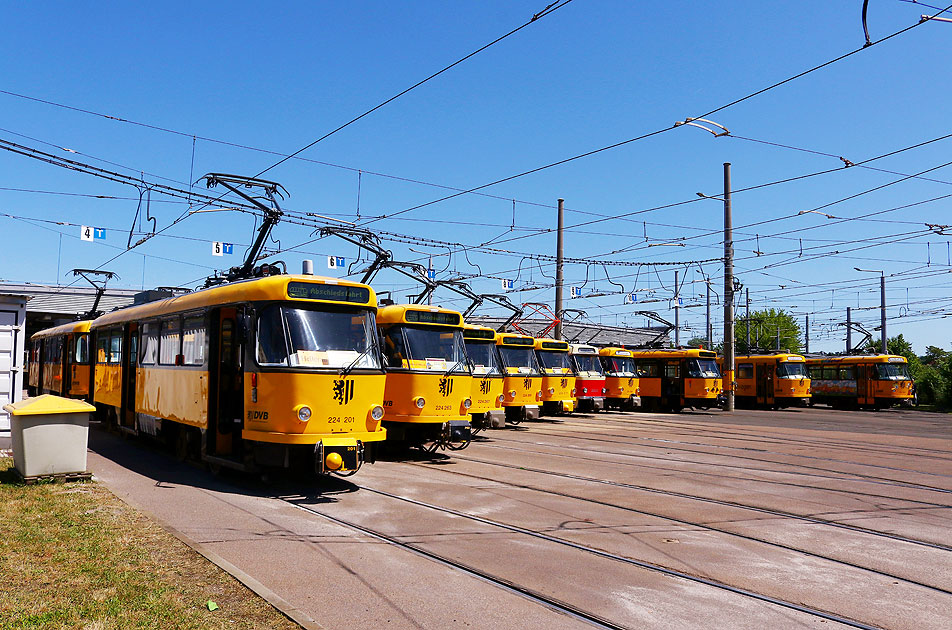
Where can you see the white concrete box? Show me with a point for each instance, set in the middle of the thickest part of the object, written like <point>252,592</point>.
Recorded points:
<point>50,435</point>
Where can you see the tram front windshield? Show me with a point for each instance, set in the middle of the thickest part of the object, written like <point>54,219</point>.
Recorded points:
<point>621,366</point>
<point>520,360</point>
<point>425,348</point>
<point>313,339</point>
<point>891,371</point>
<point>588,363</point>
<point>483,357</point>
<point>702,368</point>
<point>555,362</point>
<point>792,370</point>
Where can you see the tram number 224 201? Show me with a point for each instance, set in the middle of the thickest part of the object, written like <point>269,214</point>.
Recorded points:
<point>340,419</point>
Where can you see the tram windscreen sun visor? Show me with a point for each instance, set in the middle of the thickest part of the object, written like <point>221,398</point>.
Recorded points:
<point>328,292</point>
<point>792,370</point>
<point>622,365</point>
<point>891,371</point>
<point>483,357</point>
<point>304,338</point>
<point>702,368</point>
<point>431,349</point>
<point>521,359</point>
<point>552,360</point>
<point>588,363</point>
<point>429,317</point>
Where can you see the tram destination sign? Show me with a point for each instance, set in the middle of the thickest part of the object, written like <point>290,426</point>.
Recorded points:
<point>429,317</point>
<point>328,292</point>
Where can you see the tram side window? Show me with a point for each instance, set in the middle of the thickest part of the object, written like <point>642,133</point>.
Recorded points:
<point>745,370</point>
<point>847,373</point>
<point>671,370</point>
<point>102,345</point>
<point>272,344</point>
<point>81,354</point>
<point>169,342</point>
<point>149,343</point>
<point>115,347</point>
<point>395,347</point>
<point>193,341</point>
<point>647,370</point>
<point>56,350</point>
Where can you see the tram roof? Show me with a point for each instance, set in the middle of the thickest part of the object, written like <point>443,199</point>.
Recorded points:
<point>857,358</point>
<point>674,353</point>
<point>419,314</point>
<point>288,288</point>
<point>552,345</point>
<point>81,326</point>
<point>779,356</point>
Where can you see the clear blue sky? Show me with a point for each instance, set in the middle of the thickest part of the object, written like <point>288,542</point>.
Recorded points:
<point>591,74</point>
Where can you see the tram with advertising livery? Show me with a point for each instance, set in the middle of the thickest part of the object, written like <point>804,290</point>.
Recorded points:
<point>621,381</point>
<point>671,380</point>
<point>488,380</point>
<point>558,378</point>
<point>281,371</point>
<point>522,389</point>
<point>427,399</point>
<point>59,361</point>
<point>771,380</point>
<point>589,377</point>
<point>872,381</point>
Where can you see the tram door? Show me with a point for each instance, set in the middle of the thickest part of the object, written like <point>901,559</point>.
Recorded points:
<point>765,383</point>
<point>863,385</point>
<point>130,363</point>
<point>671,384</point>
<point>226,392</point>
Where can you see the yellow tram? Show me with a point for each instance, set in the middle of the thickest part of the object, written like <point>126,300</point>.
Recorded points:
<point>558,378</point>
<point>673,379</point>
<point>60,361</point>
<point>873,381</point>
<point>486,394</point>
<point>621,381</point>
<point>427,399</point>
<point>273,372</point>
<point>523,377</point>
<point>771,380</point>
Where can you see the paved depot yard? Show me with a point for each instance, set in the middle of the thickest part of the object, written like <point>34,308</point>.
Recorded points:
<point>807,518</point>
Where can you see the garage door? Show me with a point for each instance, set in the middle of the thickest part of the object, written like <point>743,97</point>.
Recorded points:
<point>8,331</point>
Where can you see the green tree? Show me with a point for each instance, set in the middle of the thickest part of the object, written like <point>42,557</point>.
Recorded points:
<point>698,342</point>
<point>763,327</point>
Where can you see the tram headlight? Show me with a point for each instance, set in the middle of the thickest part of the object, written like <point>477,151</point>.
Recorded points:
<point>551,390</point>
<point>377,412</point>
<point>500,398</point>
<point>467,403</point>
<point>420,402</point>
<point>303,413</point>
<point>604,391</point>
<point>512,393</point>
<point>539,395</point>
<point>584,390</point>
<point>573,391</point>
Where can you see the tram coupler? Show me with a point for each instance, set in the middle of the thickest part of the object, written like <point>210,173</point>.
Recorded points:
<point>496,419</point>
<point>532,412</point>
<point>338,455</point>
<point>457,431</point>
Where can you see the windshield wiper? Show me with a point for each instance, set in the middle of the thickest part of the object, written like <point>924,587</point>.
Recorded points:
<point>347,370</point>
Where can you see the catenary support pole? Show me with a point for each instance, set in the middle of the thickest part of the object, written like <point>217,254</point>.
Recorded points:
<point>882,308</point>
<point>849,332</point>
<point>677,323</point>
<point>728,294</point>
<point>707,320</point>
<point>558,272</point>
<point>806,332</point>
